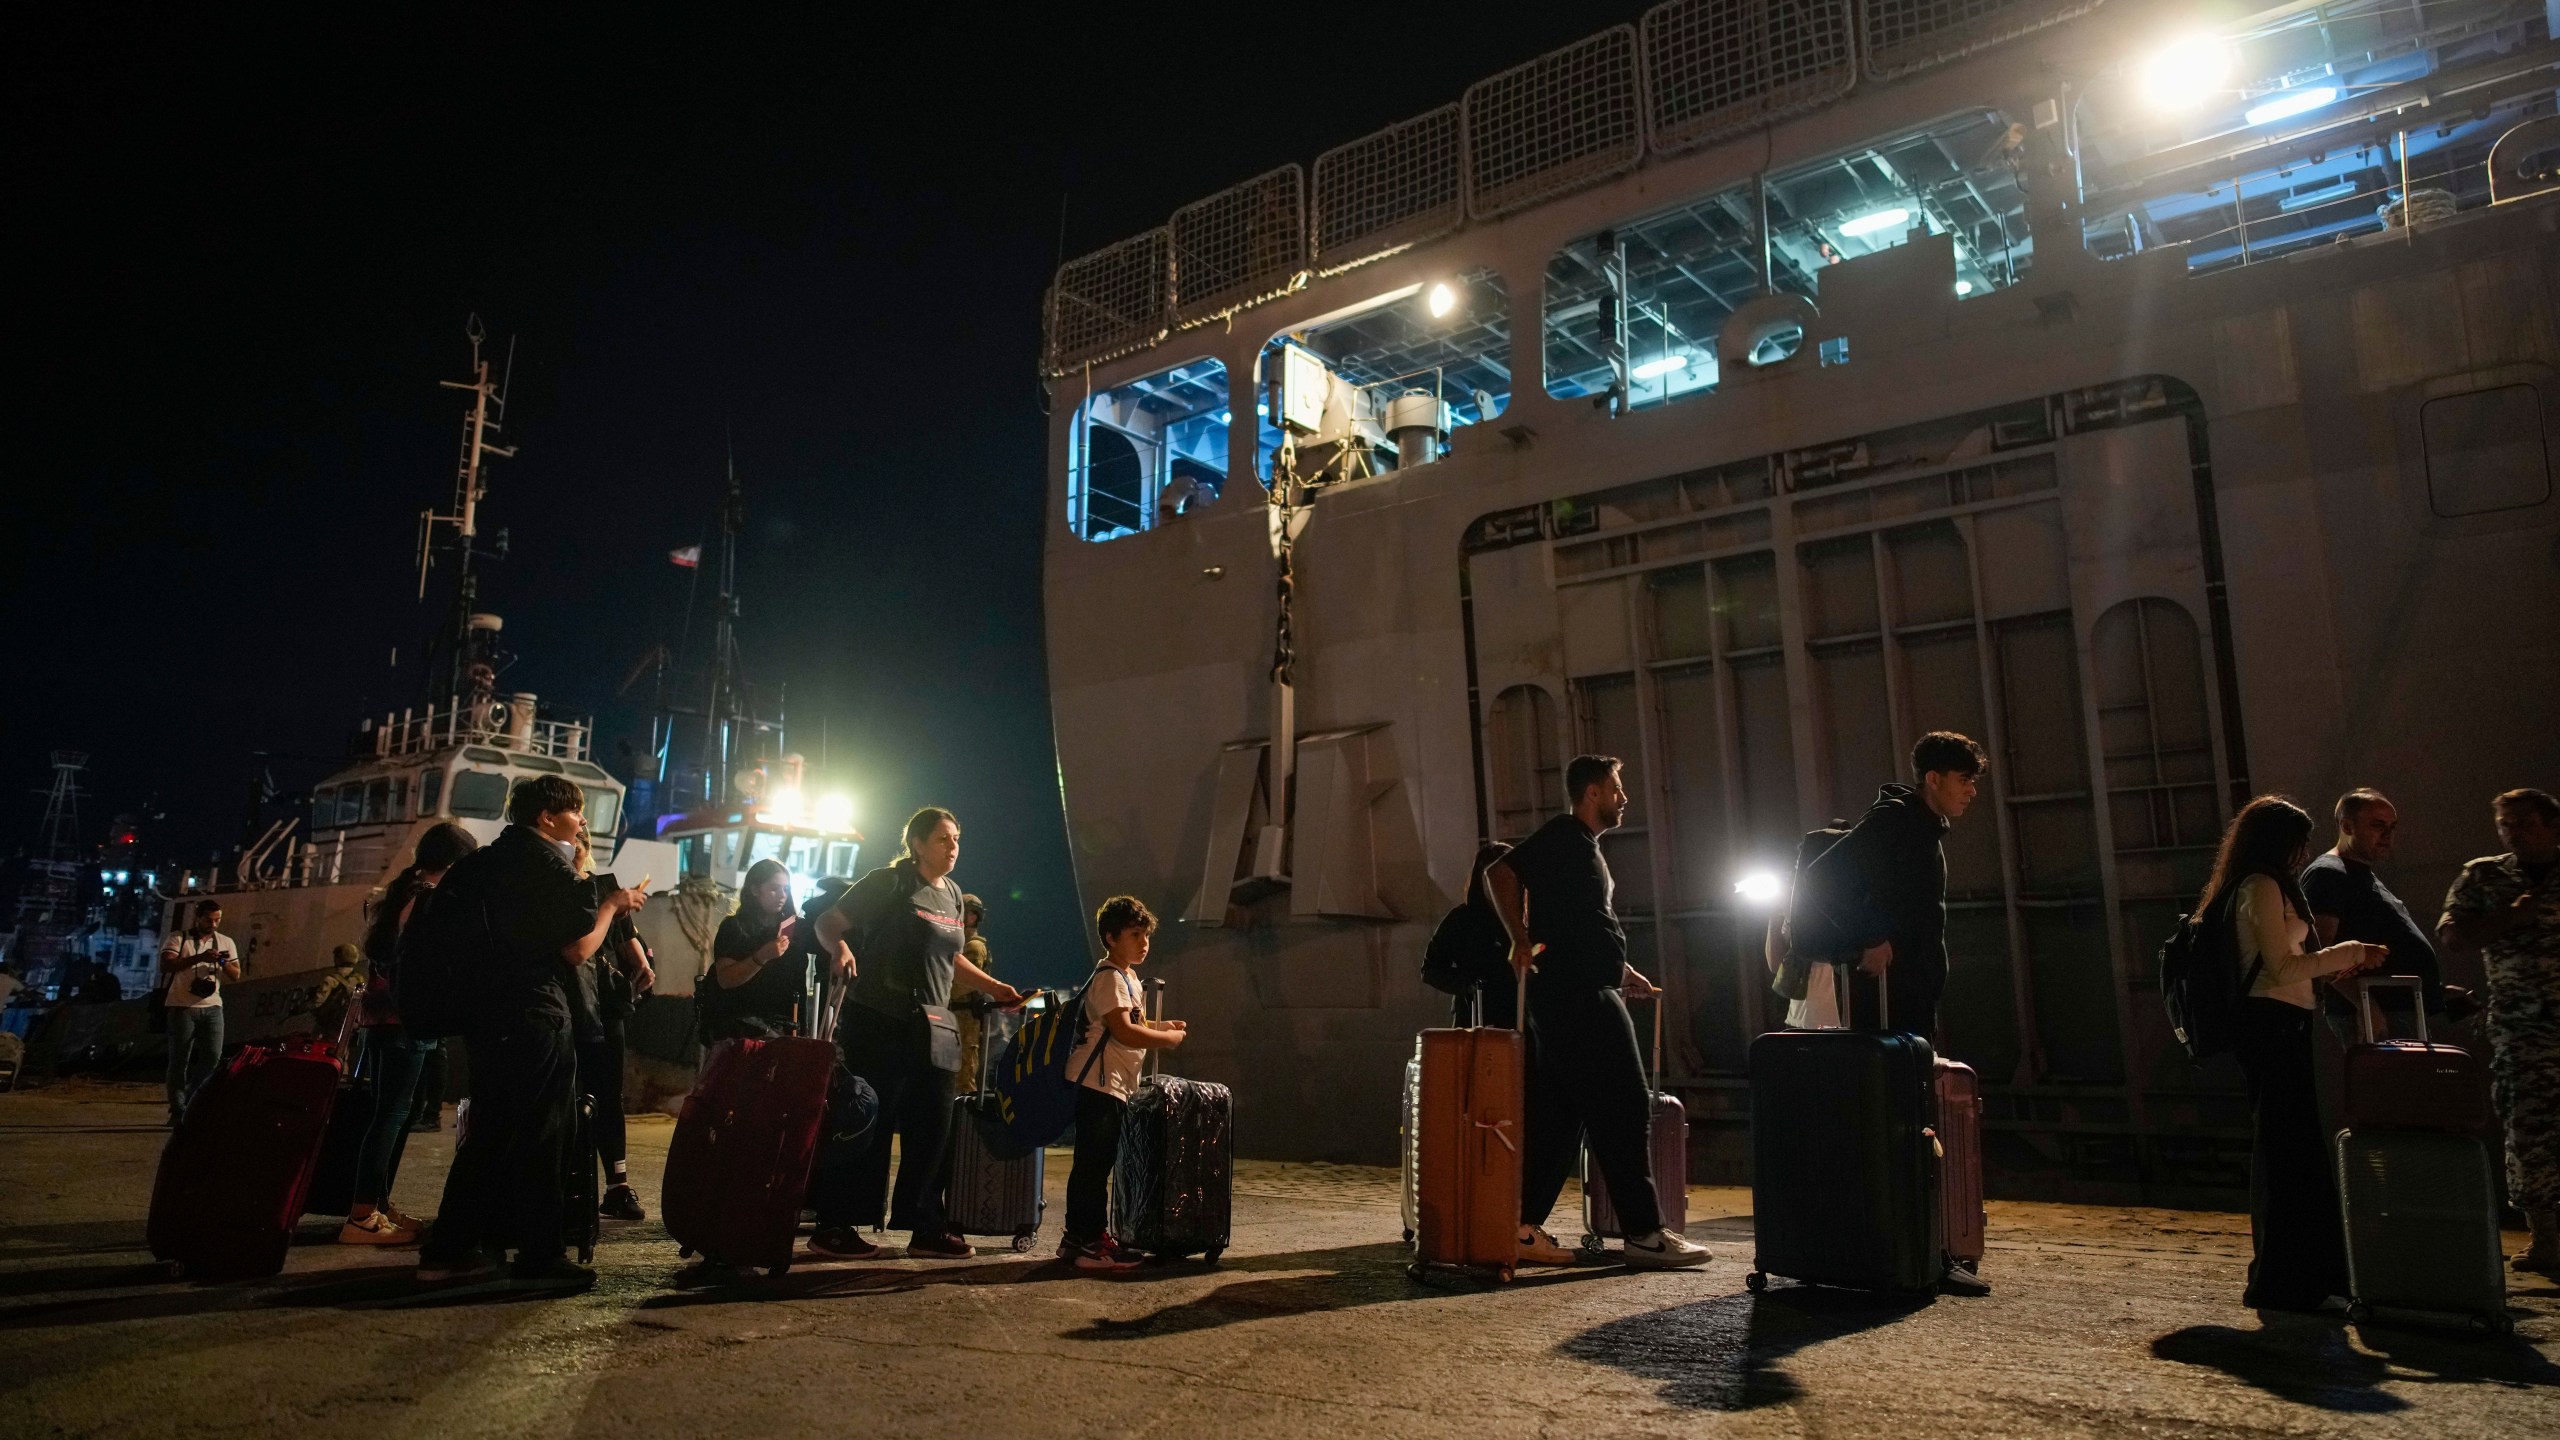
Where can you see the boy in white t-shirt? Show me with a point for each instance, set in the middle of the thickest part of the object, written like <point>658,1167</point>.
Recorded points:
<point>1116,1021</point>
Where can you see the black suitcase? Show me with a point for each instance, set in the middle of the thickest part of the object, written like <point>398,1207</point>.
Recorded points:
<point>2422,1227</point>
<point>581,1222</point>
<point>1173,1188</point>
<point>1844,1183</point>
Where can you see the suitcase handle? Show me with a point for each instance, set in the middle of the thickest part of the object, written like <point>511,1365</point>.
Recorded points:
<point>1656,998</point>
<point>1157,987</point>
<point>2417,989</point>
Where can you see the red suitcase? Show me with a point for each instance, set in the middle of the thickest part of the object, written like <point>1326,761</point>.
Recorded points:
<point>1670,1144</point>
<point>2411,1084</point>
<point>1960,1165</point>
<point>232,1178</point>
<point>738,1164</point>
<point>1468,1149</point>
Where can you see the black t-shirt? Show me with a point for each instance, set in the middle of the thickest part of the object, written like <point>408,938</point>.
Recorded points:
<point>536,904</point>
<point>1570,902</point>
<point>763,1005</point>
<point>2366,910</point>
<point>904,932</point>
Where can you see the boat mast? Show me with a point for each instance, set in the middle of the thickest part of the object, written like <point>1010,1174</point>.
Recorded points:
<point>484,419</point>
<point>721,708</point>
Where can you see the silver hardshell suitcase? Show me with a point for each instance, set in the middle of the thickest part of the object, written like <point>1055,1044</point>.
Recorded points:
<point>989,1194</point>
<point>2422,1227</point>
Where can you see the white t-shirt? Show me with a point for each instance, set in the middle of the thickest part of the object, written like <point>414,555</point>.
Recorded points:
<point>217,950</point>
<point>1116,1074</point>
<point>9,986</point>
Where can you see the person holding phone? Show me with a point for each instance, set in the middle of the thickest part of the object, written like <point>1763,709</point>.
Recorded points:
<point>2507,907</point>
<point>194,964</point>
<point>748,993</point>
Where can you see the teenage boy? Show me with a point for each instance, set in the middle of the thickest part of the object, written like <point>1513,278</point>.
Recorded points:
<point>1115,1021</point>
<point>1554,894</point>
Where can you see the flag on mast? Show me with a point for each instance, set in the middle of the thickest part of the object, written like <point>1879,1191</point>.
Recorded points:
<point>690,557</point>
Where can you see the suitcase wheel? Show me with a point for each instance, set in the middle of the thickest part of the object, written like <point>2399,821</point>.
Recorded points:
<point>684,1252</point>
<point>177,1269</point>
<point>1414,1272</point>
<point>1022,1241</point>
<point>1592,1245</point>
<point>1210,1257</point>
<point>776,1272</point>
<point>1502,1274</point>
<point>586,1254</point>
<point>1408,1237</point>
<point>1755,1282</point>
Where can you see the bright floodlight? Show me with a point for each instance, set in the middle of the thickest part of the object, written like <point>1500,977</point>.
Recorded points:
<point>1662,366</point>
<point>1442,300</point>
<point>2186,73</point>
<point>1964,287</point>
<point>836,812</point>
<point>2284,105</point>
<point>1874,221</point>
<point>784,805</point>
<point>1760,888</point>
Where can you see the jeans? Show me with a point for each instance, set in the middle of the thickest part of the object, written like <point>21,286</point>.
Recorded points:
<point>600,1080</point>
<point>1588,1077</point>
<point>1098,1118</point>
<point>2298,1242</point>
<point>195,1047</point>
<point>397,1061</point>
<point>506,1185</point>
<point>915,1104</point>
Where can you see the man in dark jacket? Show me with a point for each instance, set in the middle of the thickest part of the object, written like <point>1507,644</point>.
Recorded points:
<point>507,1181</point>
<point>1881,892</point>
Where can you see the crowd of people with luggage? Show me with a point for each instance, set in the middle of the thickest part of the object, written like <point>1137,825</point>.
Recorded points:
<point>884,986</point>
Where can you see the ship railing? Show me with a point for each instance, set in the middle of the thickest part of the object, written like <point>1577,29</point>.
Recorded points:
<point>502,722</point>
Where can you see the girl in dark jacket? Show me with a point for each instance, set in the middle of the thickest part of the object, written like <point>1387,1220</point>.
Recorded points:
<point>747,993</point>
<point>396,1058</point>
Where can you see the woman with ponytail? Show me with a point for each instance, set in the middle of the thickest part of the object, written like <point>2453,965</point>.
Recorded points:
<point>396,1056</point>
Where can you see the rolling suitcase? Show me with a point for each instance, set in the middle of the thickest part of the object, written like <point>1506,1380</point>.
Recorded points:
<point>738,1165</point>
<point>232,1179</point>
<point>986,1193</point>
<point>1669,1143</point>
<point>581,1225</point>
<point>1409,1136</point>
<point>1960,1160</point>
<point>1845,1161</point>
<point>2410,1084</point>
<point>1173,1186</point>
<point>1467,1148</point>
<point>2422,1227</point>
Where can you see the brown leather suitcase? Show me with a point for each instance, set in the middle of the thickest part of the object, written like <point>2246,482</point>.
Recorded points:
<point>1470,1142</point>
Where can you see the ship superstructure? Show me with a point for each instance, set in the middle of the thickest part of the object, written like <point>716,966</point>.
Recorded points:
<point>2163,394</point>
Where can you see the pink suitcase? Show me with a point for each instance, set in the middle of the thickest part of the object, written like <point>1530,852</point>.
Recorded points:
<point>1670,1145</point>
<point>2410,1084</point>
<point>738,1165</point>
<point>232,1179</point>
<point>1960,1163</point>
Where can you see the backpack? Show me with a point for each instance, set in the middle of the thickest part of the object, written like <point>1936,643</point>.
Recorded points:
<point>1812,938</point>
<point>447,940</point>
<point>1034,1100</point>
<point>2200,981</point>
<point>1454,963</point>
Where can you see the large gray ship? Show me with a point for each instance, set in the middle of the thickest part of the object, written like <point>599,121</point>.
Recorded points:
<point>2162,393</point>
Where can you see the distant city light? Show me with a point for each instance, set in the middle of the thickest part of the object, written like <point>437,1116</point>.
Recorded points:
<point>1760,889</point>
<point>1662,366</point>
<point>835,812</point>
<point>1442,300</point>
<point>2185,73</point>
<point>1226,416</point>
<point>1870,223</point>
<point>2287,104</point>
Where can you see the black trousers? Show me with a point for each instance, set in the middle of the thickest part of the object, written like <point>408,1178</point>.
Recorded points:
<point>2299,1243</point>
<point>505,1187</point>
<point>1098,1119</point>
<point>600,1080</point>
<point>1587,1078</point>
<point>915,1105</point>
<point>1911,993</point>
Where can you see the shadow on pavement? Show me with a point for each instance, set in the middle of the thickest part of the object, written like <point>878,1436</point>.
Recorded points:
<point>2308,1360</point>
<point>17,1283</point>
<point>1360,1275</point>
<point>709,1285</point>
<point>1717,1354</point>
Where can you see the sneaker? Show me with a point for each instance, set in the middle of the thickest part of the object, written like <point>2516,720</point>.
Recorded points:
<point>842,1242</point>
<point>377,1228</point>
<point>559,1272</point>
<point>939,1247</point>
<point>1663,1250</point>
<point>403,1218</point>
<point>1963,1279</point>
<point>1537,1247</point>
<point>475,1266</point>
<point>1097,1255</point>
<point>620,1203</point>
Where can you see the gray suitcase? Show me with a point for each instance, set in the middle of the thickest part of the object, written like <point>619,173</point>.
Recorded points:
<point>2422,1227</point>
<point>985,1193</point>
<point>1409,1131</point>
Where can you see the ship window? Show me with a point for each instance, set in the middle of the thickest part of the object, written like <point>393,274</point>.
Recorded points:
<point>1149,451</point>
<point>479,795</point>
<point>484,757</point>
<point>585,771</point>
<point>604,809</point>
<point>542,763</point>
<point>1386,363</point>
<point>840,858</point>
<point>430,793</point>
<point>377,802</point>
<point>767,845</point>
<point>1685,270</point>
<point>2485,451</point>
<point>350,804</point>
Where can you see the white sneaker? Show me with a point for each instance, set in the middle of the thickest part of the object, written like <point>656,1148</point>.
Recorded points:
<point>376,1229</point>
<point>1663,1250</point>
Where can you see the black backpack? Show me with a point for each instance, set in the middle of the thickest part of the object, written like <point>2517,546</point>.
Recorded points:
<point>1455,962</point>
<point>441,953</point>
<point>1811,931</point>
<point>2200,981</point>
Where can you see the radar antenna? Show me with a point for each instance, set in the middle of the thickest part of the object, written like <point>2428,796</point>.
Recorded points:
<point>482,421</point>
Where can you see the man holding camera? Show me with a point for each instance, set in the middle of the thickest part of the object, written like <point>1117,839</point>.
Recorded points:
<point>194,964</point>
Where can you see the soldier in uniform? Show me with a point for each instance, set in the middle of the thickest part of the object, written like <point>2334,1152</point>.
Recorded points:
<point>2508,908</point>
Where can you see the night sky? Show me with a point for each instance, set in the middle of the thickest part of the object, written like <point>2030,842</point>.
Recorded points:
<point>253,251</point>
